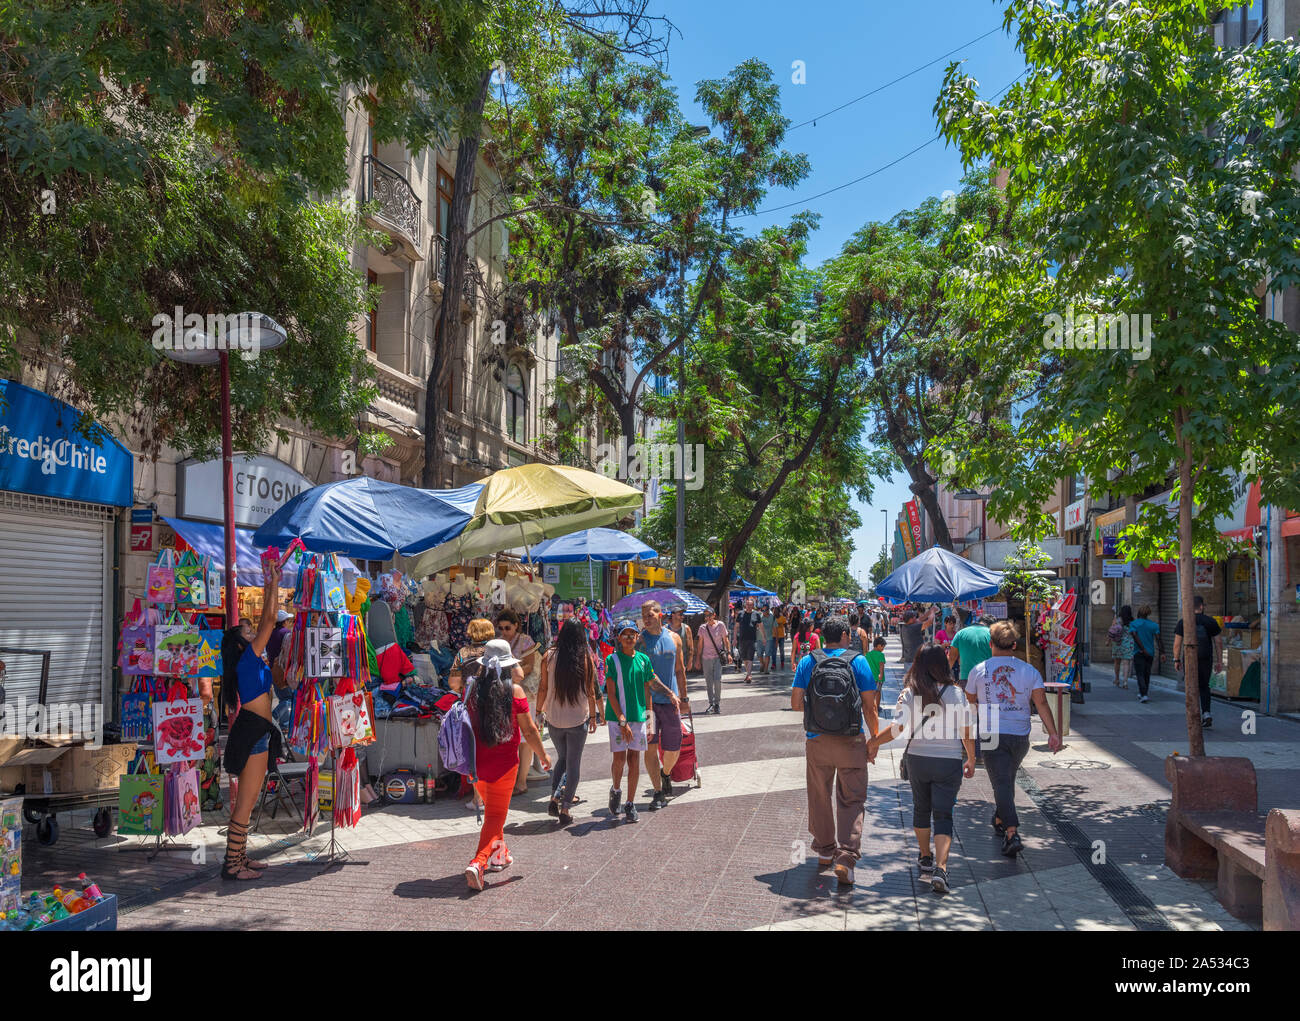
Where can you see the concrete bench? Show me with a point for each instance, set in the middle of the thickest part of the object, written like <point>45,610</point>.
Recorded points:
<point>1214,830</point>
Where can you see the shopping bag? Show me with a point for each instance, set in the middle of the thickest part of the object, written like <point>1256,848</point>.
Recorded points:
<point>324,652</point>
<point>176,649</point>
<point>190,580</point>
<point>140,804</point>
<point>137,711</point>
<point>213,585</point>
<point>207,658</point>
<point>137,650</point>
<point>178,730</point>
<point>182,812</point>
<point>343,721</point>
<point>161,580</point>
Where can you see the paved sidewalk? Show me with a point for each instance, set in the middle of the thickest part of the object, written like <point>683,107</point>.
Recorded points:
<point>731,854</point>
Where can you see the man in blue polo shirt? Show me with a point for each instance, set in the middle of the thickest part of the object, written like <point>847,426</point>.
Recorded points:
<point>836,758</point>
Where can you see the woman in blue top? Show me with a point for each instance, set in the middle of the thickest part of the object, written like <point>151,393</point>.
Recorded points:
<point>249,742</point>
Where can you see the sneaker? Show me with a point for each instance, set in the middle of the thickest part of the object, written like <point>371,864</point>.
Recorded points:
<point>1012,845</point>
<point>939,881</point>
<point>998,826</point>
<point>553,808</point>
<point>565,818</point>
<point>656,802</point>
<point>1143,699</point>
<point>474,876</point>
<point>629,812</point>
<point>615,799</point>
<point>844,875</point>
<point>927,864</point>
<point>1207,721</point>
<point>665,785</point>
<point>500,859</point>
<point>717,710</point>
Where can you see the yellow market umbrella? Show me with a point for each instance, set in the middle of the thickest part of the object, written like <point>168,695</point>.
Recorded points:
<point>523,505</point>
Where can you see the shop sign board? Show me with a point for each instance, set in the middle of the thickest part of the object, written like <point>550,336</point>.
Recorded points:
<point>141,538</point>
<point>1116,569</point>
<point>262,485</point>
<point>1073,517</point>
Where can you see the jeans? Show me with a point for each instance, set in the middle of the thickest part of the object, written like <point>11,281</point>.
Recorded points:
<point>283,711</point>
<point>1142,668</point>
<point>775,648</point>
<point>569,742</point>
<point>1001,763</point>
<point>935,782</point>
<point>713,679</point>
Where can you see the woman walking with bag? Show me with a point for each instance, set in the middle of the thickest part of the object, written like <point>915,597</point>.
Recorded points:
<point>566,698</point>
<point>1124,648</point>
<point>938,754</point>
<point>711,651</point>
<point>497,710</point>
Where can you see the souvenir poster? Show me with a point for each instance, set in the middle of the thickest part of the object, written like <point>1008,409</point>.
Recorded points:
<point>324,652</point>
<point>1204,576</point>
<point>137,650</point>
<point>178,730</point>
<point>140,804</point>
<point>176,650</point>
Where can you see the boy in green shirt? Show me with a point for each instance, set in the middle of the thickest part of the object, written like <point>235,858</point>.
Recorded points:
<point>876,660</point>
<point>628,674</point>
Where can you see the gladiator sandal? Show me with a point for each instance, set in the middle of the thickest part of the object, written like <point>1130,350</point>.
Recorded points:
<point>236,863</point>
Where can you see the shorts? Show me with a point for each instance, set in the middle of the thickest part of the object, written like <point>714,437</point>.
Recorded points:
<point>747,649</point>
<point>668,727</point>
<point>616,742</point>
<point>264,745</point>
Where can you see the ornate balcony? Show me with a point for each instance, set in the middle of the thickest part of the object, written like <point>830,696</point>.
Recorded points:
<point>398,214</point>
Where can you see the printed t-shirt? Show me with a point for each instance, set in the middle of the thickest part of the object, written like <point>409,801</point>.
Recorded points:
<point>637,672</point>
<point>1006,683</point>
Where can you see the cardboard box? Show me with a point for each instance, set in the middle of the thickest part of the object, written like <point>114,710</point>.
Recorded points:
<point>67,769</point>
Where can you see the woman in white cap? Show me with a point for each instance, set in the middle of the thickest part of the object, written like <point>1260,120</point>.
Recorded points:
<point>498,708</point>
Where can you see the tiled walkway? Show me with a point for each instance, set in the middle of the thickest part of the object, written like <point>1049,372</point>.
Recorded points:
<point>731,854</point>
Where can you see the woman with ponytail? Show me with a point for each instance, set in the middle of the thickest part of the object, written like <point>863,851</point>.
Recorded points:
<point>498,708</point>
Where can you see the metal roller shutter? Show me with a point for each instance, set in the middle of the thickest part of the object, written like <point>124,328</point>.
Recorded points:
<point>1169,615</point>
<point>54,594</point>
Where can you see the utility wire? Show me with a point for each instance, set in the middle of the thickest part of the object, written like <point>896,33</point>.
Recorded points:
<point>902,77</point>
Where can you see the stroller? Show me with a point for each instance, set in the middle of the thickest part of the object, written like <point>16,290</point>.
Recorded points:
<point>687,767</point>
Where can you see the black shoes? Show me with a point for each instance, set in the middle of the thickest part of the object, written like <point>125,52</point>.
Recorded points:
<point>565,818</point>
<point>657,801</point>
<point>927,864</point>
<point>1012,845</point>
<point>553,808</point>
<point>629,812</point>
<point>1207,721</point>
<point>939,881</point>
<point>998,826</point>
<point>665,785</point>
<point>615,799</point>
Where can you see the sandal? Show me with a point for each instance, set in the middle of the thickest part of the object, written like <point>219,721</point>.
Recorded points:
<point>236,866</point>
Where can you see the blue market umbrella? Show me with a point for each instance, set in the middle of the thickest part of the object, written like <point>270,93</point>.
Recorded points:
<point>363,517</point>
<point>591,544</point>
<point>629,607</point>
<point>938,576</point>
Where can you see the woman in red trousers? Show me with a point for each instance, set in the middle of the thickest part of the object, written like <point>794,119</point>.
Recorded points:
<point>498,708</point>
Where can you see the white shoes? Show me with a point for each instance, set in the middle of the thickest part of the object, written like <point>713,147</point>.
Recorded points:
<point>474,876</point>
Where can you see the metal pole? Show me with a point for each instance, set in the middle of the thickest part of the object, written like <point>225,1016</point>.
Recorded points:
<point>681,440</point>
<point>228,495</point>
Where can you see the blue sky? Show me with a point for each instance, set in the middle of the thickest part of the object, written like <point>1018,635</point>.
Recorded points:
<point>847,49</point>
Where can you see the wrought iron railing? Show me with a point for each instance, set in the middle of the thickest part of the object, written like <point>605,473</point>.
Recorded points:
<point>398,203</point>
<point>438,253</point>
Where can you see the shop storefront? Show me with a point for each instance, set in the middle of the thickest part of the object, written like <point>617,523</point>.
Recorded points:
<point>59,498</point>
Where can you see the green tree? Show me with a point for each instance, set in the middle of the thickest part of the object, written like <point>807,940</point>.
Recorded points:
<point>1156,172</point>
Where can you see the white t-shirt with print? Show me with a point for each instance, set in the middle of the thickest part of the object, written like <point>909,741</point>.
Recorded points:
<point>1006,684</point>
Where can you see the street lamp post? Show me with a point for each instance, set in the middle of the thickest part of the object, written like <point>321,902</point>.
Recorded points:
<point>254,333</point>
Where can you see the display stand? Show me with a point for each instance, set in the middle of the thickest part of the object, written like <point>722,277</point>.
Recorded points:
<point>334,853</point>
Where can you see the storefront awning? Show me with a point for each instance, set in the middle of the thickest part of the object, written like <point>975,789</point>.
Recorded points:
<point>209,540</point>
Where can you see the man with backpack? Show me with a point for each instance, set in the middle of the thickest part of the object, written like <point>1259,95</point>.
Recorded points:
<point>835,691</point>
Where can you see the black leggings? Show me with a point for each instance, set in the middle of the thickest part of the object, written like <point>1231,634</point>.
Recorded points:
<point>935,783</point>
<point>569,742</point>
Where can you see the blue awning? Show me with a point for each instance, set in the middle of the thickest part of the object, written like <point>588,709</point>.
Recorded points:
<point>209,540</point>
<point>708,575</point>
<point>603,544</point>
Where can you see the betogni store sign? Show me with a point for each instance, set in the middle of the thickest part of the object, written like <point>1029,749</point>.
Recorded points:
<point>262,485</point>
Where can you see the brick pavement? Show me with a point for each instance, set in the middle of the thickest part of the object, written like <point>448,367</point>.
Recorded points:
<point>728,855</point>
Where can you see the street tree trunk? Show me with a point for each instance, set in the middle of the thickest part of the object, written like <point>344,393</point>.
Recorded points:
<point>1186,567</point>
<point>924,491</point>
<point>450,332</point>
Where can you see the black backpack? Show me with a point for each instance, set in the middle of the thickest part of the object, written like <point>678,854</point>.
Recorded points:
<point>832,703</point>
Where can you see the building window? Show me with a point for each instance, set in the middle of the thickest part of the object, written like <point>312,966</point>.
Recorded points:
<point>516,406</point>
<point>446,189</point>
<point>372,321</point>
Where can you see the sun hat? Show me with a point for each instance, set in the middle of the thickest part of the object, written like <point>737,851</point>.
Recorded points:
<point>283,615</point>
<point>497,653</point>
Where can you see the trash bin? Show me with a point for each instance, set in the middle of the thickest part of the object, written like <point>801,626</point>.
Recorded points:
<point>1058,700</point>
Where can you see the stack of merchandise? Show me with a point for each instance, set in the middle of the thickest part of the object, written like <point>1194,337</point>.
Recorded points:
<point>1059,624</point>
<point>165,650</point>
<point>332,710</point>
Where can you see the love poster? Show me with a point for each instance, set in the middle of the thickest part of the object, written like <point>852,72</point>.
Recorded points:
<point>178,730</point>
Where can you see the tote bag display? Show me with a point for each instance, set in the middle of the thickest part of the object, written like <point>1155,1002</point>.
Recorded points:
<point>190,580</point>
<point>175,650</point>
<point>178,730</point>
<point>137,650</point>
<point>181,811</point>
<point>207,658</point>
<point>162,579</point>
<point>140,804</point>
<point>137,711</point>
<point>324,652</point>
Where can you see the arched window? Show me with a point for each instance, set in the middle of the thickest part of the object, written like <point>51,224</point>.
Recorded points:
<point>516,406</point>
